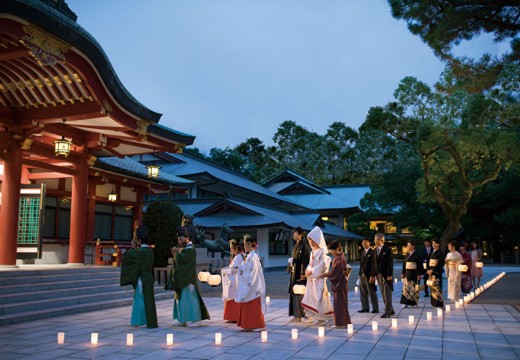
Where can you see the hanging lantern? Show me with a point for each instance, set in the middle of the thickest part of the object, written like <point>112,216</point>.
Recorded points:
<point>463,268</point>
<point>112,196</point>
<point>153,171</point>
<point>299,289</point>
<point>214,280</point>
<point>203,276</point>
<point>62,147</point>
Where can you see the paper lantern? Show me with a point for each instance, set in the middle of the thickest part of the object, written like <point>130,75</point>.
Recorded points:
<point>425,266</point>
<point>61,338</point>
<point>439,313</point>
<point>218,338</point>
<point>169,339</point>
<point>214,280</point>
<point>356,289</point>
<point>411,319</point>
<point>429,282</point>
<point>374,326</point>
<point>479,264</point>
<point>321,332</point>
<point>129,339</point>
<point>395,280</point>
<point>429,315</point>
<point>267,299</point>
<point>463,268</point>
<point>153,171</point>
<point>263,334</point>
<point>203,276</point>
<point>350,328</point>
<point>448,308</point>
<point>299,289</point>
<point>394,323</point>
<point>94,338</point>
<point>294,334</point>
<point>461,302</point>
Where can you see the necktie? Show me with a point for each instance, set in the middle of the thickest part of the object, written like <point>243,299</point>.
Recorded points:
<point>378,251</point>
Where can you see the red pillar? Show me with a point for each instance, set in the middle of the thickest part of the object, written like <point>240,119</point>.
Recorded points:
<point>10,204</point>
<point>91,215</point>
<point>78,214</point>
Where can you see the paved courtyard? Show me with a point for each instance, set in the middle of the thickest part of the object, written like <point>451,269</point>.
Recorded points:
<point>477,331</point>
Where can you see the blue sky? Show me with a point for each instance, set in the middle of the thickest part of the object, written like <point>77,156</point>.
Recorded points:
<point>227,70</point>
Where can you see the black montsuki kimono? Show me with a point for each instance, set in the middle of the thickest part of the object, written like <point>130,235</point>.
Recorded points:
<point>436,264</point>
<point>301,255</point>
<point>412,268</point>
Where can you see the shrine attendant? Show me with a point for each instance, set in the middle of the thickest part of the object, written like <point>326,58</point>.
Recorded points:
<point>316,300</point>
<point>251,289</point>
<point>411,276</point>
<point>229,283</point>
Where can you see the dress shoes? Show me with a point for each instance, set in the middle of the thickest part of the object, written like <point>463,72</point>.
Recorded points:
<point>362,311</point>
<point>385,315</point>
<point>375,311</point>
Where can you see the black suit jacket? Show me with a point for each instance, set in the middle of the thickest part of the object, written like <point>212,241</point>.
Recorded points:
<point>424,254</point>
<point>366,264</point>
<point>384,262</point>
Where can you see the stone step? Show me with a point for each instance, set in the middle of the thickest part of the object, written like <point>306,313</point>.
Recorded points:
<point>62,276</point>
<point>58,285</point>
<point>36,314</point>
<point>58,270</point>
<point>50,304</point>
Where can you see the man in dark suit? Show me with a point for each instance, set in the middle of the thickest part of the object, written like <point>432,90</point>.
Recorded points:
<point>384,264</point>
<point>426,253</point>
<point>367,283</point>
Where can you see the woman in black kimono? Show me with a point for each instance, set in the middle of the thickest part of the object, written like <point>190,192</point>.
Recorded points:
<point>411,275</point>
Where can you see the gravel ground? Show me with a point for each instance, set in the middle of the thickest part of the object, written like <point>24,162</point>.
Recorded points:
<point>505,291</point>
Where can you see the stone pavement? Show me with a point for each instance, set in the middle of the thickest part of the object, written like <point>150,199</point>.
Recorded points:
<point>477,331</point>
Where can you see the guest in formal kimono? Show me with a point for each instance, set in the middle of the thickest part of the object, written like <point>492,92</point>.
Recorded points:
<point>465,276</point>
<point>338,277</point>
<point>251,289</point>
<point>188,307</point>
<point>229,282</point>
<point>411,276</point>
<point>434,270</point>
<point>426,253</point>
<point>316,300</point>
<point>384,267</point>
<point>453,260</point>
<point>476,272</point>
<point>367,284</point>
<point>297,265</point>
<point>137,270</point>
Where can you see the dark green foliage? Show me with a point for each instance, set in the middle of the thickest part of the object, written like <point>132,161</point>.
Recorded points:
<point>162,218</point>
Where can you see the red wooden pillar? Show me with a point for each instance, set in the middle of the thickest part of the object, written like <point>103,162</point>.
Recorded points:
<point>78,214</point>
<point>91,213</point>
<point>10,204</point>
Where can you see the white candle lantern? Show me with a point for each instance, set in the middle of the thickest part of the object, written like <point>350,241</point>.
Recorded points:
<point>411,319</point>
<point>169,339</point>
<point>457,305</point>
<point>218,338</point>
<point>267,299</point>
<point>294,334</point>
<point>394,323</point>
<point>129,339</point>
<point>429,315</point>
<point>463,268</point>
<point>439,313</point>
<point>356,289</point>
<point>61,338</point>
<point>321,332</point>
<point>214,280</point>
<point>94,338</point>
<point>374,326</point>
<point>203,276</point>
<point>461,302</point>
<point>264,336</point>
<point>350,328</point>
<point>395,280</point>
<point>448,308</point>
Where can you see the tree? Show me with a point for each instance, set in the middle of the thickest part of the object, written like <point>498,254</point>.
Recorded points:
<point>457,137</point>
<point>162,218</point>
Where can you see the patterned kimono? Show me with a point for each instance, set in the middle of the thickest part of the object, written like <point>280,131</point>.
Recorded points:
<point>466,285</point>
<point>339,284</point>
<point>453,260</point>
<point>316,300</point>
<point>435,264</point>
<point>412,268</point>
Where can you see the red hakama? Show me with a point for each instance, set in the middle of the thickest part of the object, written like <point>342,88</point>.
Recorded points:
<point>231,310</point>
<point>251,316</point>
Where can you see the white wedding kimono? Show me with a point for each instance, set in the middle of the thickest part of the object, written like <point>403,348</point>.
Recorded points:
<point>453,260</point>
<point>316,300</point>
<point>229,278</point>
<point>250,280</point>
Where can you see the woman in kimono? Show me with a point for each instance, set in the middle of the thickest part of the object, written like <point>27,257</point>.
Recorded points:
<point>465,275</point>
<point>251,289</point>
<point>137,270</point>
<point>188,307</point>
<point>411,276</point>
<point>476,272</point>
<point>339,281</point>
<point>453,260</point>
<point>316,300</point>
<point>229,283</point>
<point>435,269</point>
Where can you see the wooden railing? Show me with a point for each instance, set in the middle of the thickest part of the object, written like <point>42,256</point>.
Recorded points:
<point>109,253</point>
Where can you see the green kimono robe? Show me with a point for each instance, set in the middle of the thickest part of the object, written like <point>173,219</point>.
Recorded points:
<point>184,273</point>
<point>138,263</point>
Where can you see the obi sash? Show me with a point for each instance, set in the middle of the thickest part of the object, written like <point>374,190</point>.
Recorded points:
<point>411,265</point>
<point>433,262</point>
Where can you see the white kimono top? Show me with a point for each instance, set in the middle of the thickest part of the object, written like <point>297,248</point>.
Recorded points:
<point>316,298</point>
<point>251,283</point>
<point>229,278</point>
